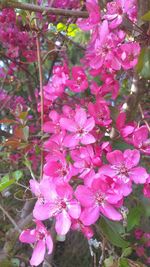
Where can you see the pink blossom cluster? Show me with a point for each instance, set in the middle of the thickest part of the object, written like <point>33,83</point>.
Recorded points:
<point>134,134</point>
<point>108,48</point>
<point>17,42</point>
<point>12,102</point>
<point>84,178</point>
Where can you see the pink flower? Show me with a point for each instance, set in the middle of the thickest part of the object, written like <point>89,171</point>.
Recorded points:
<point>116,10</point>
<point>56,144</point>
<point>123,166</point>
<point>56,85</point>
<point>141,140</point>
<point>79,226</point>
<point>128,55</point>
<point>146,189</point>
<point>79,82</point>
<point>96,200</point>
<point>58,169</point>
<point>100,112</point>
<point>138,234</point>
<point>110,84</point>
<point>94,16</point>
<point>85,160</point>
<point>59,203</point>
<point>126,130</point>
<point>52,126</point>
<point>79,128</point>
<point>140,251</point>
<point>102,51</point>
<point>42,239</point>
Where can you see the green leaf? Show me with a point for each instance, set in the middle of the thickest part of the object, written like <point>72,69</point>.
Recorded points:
<point>5,178</point>
<point>121,145</point>
<point>4,185</point>
<point>109,262</point>
<point>140,63</point>
<point>143,66</point>
<point>17,175</point>
<point>123,263</point>
<point>126,252</point>
<point>15,262</point>
<point>72,30</point>
<point>61,27</point>
<point>10,179</point>
<point>26,133</point>
<point>134,216</point>
<point>112,234</point>
<point>146,16</point>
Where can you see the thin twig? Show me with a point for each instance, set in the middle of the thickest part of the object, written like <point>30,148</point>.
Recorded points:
<point>10,218</point>
<point>44,10</point>
<point>143,117</point>
<point>102,253</point>
<point>42,97</point>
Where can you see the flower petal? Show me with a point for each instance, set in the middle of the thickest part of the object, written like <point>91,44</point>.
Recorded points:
<point>107,170</point>
<point>80,117</point>
<point>28,236</point>
<point>35,187</point>
<point>68,124</point>
<point>63,223</point>
<point>110,212</point>
<point>85,196</point>
<point>51,194</point>
<point>115,158</point>
<point>90,215</point>
<point>89,125</point>
<point>71,140</point>
<point>132,158</point>
<point>138,175</point>
<point>49,243</point>
<point>41,211</point>
<point>88,139</point>
<point>38,253</point>
<point>74,209</point>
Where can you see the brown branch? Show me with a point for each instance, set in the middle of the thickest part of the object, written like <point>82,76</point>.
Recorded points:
<point>44,10</point>
<point>143,117</point>
<point>41,95</point>
<point>10,218</point>
<point>102,252</point>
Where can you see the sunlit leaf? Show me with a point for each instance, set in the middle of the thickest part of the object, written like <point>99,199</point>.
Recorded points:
<point>146,16</point>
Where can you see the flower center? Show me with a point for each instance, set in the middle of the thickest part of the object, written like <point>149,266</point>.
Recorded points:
<point>123,171</point>
<point>79,80</point>
<point>40,236</point>
<point>63,204</point>
<point>100,198</point>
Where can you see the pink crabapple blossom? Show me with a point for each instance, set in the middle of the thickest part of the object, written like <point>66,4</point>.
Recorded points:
<point>42,240</point>
<point>79,81</point>
<point>96,201</point>
<point>123,166</point>
<point>80,128</point>
<point>58,203</point>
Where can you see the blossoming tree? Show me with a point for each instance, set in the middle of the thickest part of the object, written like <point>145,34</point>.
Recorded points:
<point>75,128</point>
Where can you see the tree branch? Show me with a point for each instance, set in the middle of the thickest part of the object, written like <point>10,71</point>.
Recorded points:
<point>44,10</point>
<point>42,97</point>
<point>10,218</point>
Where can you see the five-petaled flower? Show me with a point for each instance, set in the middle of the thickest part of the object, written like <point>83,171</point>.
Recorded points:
<point>42,240</point>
